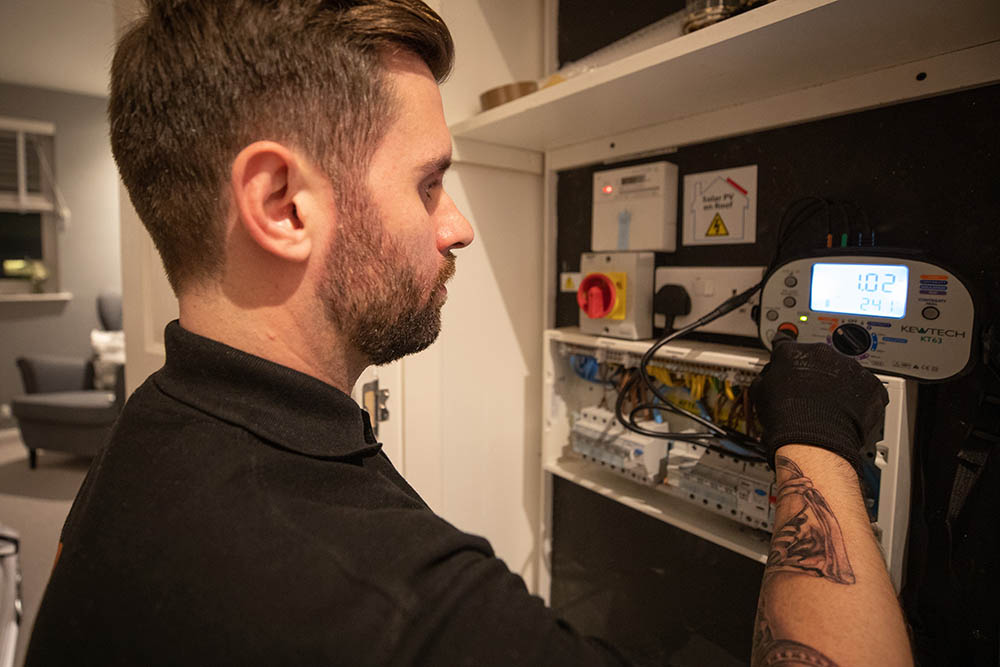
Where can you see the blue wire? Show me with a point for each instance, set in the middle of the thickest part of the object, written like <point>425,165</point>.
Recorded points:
<point>585,366</point>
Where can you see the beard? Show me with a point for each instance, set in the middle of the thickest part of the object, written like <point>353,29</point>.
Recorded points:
<point>371,291</point>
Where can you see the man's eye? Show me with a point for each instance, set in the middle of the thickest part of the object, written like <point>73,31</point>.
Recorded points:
<point>431,187</point>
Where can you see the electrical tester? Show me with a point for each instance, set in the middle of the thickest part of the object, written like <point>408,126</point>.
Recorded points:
<point>891,313</point>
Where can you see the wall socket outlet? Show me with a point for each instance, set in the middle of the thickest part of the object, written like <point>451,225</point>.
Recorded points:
<point>708,287</point>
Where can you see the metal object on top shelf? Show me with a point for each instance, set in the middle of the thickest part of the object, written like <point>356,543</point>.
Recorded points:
<point>494,97</point>
<point>701,13</point>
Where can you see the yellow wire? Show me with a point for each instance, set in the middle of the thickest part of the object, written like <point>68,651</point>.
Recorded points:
<point>698,387</point>
<point>661,374</point>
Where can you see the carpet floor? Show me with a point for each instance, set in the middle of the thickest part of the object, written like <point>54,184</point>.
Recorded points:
<point>35,504</point>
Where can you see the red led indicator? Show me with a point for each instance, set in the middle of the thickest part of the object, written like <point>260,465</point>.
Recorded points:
<point>608,189</point>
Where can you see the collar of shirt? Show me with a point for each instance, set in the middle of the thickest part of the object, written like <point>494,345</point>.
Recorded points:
<point>290,409</point>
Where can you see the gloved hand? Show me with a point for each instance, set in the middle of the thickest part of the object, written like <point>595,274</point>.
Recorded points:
<point>810,394</point>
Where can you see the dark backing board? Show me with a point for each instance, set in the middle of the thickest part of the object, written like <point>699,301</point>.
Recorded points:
<point>588,25</point>
<point>928,175</point>
<point>656,591</point>
<point>925,173</point>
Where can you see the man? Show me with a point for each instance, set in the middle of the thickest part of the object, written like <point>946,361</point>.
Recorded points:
<point>286,157</point>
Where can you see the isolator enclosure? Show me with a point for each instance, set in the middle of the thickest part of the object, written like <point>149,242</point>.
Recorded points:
<point>616,294</point>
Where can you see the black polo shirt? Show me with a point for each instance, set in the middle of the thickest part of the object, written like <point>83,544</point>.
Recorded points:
<point>243,513</point>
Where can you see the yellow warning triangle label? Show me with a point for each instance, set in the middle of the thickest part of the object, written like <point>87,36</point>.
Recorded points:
<point>569,284</point>
<point>717,227</point>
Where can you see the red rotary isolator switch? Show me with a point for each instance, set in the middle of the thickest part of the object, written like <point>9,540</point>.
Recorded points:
<point>596,296</point>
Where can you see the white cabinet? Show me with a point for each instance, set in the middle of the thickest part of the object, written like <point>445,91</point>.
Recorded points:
<point>787,62</point>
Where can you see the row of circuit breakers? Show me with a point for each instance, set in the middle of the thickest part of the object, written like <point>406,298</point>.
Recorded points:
<point>739,490</point>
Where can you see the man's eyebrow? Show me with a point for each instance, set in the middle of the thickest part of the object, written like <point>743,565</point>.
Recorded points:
<point>437,165</point>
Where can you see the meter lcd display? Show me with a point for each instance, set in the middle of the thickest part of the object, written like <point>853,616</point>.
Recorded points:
<point>877,290</point>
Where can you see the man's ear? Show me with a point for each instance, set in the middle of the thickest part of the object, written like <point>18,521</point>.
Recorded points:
<point>266,181</point>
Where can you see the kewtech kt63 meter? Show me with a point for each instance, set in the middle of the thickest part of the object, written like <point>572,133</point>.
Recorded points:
<point>893,315</point>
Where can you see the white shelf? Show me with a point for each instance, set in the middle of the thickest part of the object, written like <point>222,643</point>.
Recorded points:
<point>785,46</point>
<point>709,526</point>
<point>36,297</point>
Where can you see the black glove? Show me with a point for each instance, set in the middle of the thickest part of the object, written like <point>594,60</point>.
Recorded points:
<point>810,394</point>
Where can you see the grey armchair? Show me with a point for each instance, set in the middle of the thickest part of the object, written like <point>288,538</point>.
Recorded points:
<point>60,409</point>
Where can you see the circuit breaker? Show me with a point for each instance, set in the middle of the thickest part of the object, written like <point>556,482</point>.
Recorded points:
<point>599,437</point>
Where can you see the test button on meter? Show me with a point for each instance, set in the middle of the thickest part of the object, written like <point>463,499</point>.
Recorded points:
<point>789,328</point>
<point>931,313</point>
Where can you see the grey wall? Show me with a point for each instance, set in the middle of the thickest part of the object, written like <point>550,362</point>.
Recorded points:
<point>89,250</point>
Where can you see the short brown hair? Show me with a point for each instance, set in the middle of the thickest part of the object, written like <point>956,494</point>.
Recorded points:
<point>195,81</point>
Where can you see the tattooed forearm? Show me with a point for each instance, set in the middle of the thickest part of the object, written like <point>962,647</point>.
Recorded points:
<point>809,540</point>
<point>771,652</point>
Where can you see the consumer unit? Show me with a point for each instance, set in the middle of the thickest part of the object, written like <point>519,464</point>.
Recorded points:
<point>726,498</point>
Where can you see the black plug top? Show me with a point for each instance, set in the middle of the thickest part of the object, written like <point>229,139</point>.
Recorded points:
<point>671,301</point>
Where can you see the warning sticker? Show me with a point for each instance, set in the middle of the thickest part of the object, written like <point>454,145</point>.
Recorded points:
<point>569,281</point>
<point>717,227</point>
<point>721,206</point>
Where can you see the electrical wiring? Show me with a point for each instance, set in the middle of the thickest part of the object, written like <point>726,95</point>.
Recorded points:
<point>865,222</point>
<point>715,432</point>
<point>585,366</point>
<point>723,439</point>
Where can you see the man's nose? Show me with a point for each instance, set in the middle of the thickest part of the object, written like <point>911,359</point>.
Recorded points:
<point>454,230</point>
